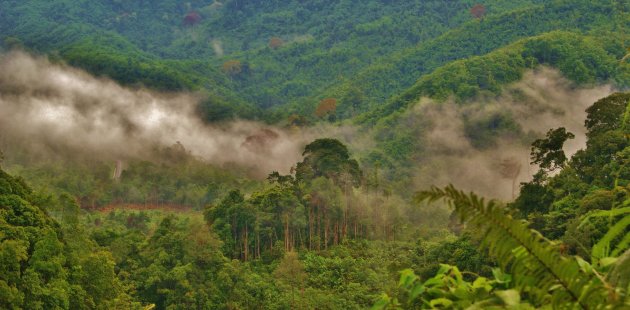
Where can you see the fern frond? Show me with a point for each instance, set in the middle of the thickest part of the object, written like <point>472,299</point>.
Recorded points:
<point>604,213</point>
<point>602,248</point>
<point>619,276</point>
<point>623,245</point>
<point>535,263</point>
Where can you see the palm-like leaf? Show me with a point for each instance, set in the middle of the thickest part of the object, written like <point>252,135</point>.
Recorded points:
<point>536,264</point>
<point>619,276</point>
<point>603,247</point>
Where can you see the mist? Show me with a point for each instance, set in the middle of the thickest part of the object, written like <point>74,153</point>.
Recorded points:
<point>542,100</point>
<point>54,108</point>
<point>217,47</point>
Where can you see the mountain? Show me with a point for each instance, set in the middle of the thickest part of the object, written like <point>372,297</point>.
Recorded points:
<point>322,49</point>
<point>250,154</point>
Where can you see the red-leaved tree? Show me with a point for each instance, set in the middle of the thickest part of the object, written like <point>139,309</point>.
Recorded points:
<point>192,19</point>
<point>478,11</point>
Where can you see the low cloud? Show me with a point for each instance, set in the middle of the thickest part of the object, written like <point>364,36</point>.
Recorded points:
<point>54,108</point>
<point>542,100</point>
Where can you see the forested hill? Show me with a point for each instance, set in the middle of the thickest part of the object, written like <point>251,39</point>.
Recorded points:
<point>326,238</point>
<point>247,55</point>
<point>270,154</point>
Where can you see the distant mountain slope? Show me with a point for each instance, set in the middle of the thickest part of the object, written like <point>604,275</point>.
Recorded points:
<point>320,42</point>
<point>392,75</point>
<point>582,59</point>
<point>284,57</point>
<point>176,29</point>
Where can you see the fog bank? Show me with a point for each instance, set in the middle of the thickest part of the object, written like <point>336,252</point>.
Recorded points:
<point>542,100</point>
<point>56,108</point>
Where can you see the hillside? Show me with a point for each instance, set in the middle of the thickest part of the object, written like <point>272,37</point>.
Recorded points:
<point>324,49</point>
<point>109,38</point>
<point>327,154</point>
<point>339,246</point>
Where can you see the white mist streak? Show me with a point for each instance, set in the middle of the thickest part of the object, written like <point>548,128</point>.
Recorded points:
<point>542,100</point>
<point>60,108</point>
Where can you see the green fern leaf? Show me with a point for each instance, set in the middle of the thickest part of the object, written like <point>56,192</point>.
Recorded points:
<point>623,245</point>
<point>604,213</point>
<point>619,276</point>
<point>602,248</point>
<point>536,264</point>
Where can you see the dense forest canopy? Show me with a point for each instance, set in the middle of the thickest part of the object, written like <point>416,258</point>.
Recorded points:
<point>246,154</point>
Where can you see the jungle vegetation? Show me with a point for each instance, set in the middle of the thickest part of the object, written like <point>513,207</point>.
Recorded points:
<point>347,227</point>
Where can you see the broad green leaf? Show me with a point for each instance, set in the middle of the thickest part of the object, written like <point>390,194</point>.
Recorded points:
<point>416,291</point>
<point>382,303</point>
<point>509,297</point>
<point>441,302</point>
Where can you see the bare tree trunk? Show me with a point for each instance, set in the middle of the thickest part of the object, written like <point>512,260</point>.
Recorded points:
<point>245,243</point>
<point>319,229</point>
<point>310,229</point>
<point>326,224</point>
<point>235,235</point>
<point>286,233</point>
<point>258,244</point>
<point>301,242</point>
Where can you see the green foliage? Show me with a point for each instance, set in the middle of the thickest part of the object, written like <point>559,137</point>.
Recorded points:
<point>534,197</point>
<point>619,276</point>
<point>462,252</point>
<point>472,77</point>
<point>127,68</point>
<point>618,231</point>
<point>547,153</point>
<point>366,53</point>
<point>172,178</point>
<point>607,114</point>
<point>328,158</point>
<point>39,266</point>
<point>565,206</point>
<point>332,236</point>
<point>535,263</point>
<point>449,289</point>
<point>308,211</point>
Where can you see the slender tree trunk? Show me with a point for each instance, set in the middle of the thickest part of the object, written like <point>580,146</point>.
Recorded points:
<point>326,224</point>
<point>310,229</point>
<point>394,233</point>
<point>286,233</point>
<point>258,244</point>
<point>235,235</point>
<point>301,242</point>
<point>347,212</point>
<point>245,243</point>
<point>319,229</point>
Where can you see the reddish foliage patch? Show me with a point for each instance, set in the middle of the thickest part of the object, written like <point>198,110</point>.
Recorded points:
<point>275,43</point>
<point>232,67</point>
<point>192,19</point>
<point>326,106</point>
<point>478,11</point>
